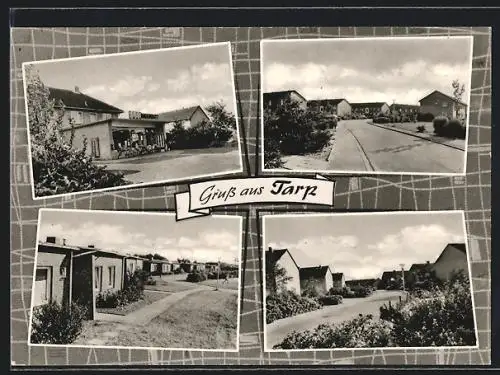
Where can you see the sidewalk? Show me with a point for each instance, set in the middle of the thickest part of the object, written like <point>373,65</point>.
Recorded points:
<point>347,153</point>
<point>453,143</point>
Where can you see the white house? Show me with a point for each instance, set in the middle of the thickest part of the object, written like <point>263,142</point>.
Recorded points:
<point>282,258</point>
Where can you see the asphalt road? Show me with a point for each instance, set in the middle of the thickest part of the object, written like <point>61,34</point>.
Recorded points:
<point>361,147</point>
<point>350,308</point>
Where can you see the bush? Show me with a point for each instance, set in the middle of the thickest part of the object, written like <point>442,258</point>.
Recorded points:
<point>272,155</point>
<point>382,120</point>
<point>335,299</point>
<point>196,277</point>
<point>360,332</point>
<point>420,128</point>
<point>179,271</point>
<point>439,124</point>
<point>425,117</point>
<point>150,281</point>
<point>204,135</point>
<point>287,303</point>
<point>56,324</point>
<point>455,129</point>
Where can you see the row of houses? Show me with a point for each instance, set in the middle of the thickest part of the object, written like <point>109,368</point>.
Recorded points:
<point>299,278</point>
<point>66,274</point>
<point>108,132</point>
<point>437,103</point>
<point>452,258</point>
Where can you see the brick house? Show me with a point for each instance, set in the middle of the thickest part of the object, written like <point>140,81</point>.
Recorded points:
<point>319,277</point>
<point>440,104</point>
<point>452,258</point>
<point>281,258</point>
<point>273,100</point>
<point>339,107</point>
<point>338,280</point>
<point>371,109</point>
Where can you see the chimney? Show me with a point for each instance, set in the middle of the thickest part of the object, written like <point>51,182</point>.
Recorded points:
<point>270,249</point>
<point>91,246</point>
<point>77,89</point>
<point>51,239</point>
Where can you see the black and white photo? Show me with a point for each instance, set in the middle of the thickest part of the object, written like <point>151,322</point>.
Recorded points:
<point>101,280</point>
<point>367,280</point>
<point>366,105</point>
<point>130,119</point>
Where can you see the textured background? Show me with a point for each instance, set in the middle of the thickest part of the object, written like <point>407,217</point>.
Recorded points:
<point>471,193</point>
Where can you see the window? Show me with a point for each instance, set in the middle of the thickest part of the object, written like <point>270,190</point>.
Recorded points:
<point>93,117</point>
<point>95,148</point>
<point>270,103</point>
<point>445,105</point>
<point>98,278</point>
<point>321,108</point>
<point>78,118</point>
<point>111,276</point>
<point>282,101</point>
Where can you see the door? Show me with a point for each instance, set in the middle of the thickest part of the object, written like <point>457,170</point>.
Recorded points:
<point>42,287</point>
<point>98,279</point>
<point>95,148</point>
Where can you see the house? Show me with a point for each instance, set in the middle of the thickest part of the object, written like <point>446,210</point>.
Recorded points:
<point>54,272</point>
<point>453,258</point>
<point>188,117</point>
<point>338,280</point>
<point>200,267</point>
<point>404,109</point>
<point>187,267</point>
<point>389,276</point>
<point>133,263</point>
<point>273,100</point>
<point>329,107</point>
<point>370,110</point>
<point>80,108</point>
<point>319,277</point>
<point>212,267</point>
<point>157,266</point>
<point>283,259</point>
<point>440,104</point>
<point>175,266</point>
<point>372,283</point>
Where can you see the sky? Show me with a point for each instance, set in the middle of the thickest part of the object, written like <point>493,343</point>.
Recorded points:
<point>202,239</point>
<point>150,82</point>
<point>366,70</point>
<point>366,245</point>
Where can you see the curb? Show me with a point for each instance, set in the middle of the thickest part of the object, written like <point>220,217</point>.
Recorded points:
<point>415,135</point>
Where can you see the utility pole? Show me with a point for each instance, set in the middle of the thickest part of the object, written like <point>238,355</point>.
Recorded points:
<point>403,274</point>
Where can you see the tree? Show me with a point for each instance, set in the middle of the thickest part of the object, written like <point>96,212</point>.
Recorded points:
<point>276,276</point>
<point>458,89</point>
<point>220,116</point>
<point>159,257</point>
<point>57,167</point>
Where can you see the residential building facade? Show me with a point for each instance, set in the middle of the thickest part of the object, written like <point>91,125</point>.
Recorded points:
<point>212,266</point>
<point>281,258</point>
<point>188,117</point>
<point>338,107</point>
<point>319,277</point>
<point>371,109</point>
<point>272,100</point>
<point>133,263</point>
<point>440,104</point>
<point>338,280</point>
<point>452,259</point>
<point>404,109</point>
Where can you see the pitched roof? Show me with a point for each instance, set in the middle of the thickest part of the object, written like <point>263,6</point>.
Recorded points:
<point>337,276</point>
<point>318,271</point>
<point>326,101</point>
<point>458,246</point>
<point>447,96</point>
<point>389,274</point>
<point>371,104</point>
<point>273,255</point>
<point>72,99</point>
<point>279,94</point>
<point>397,105</point>
<point>418,266</point>
<point>179,114</point>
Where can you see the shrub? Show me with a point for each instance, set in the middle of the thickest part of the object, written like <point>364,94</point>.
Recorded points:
<point>272,155</point>
<point>57,324</point>
<point>381,120</point>
<point>455,129</point>
<point>206,134</point>
<point>360,291</point>
<point>108,299</point>
<point>150,281</point>
<point>360,332</point>
<point>196,277</point>
<point>178,271</point>
<point>287,303</point>
<point>439,124</point>
<point>335,299</point>
<point>425,117</point>
<point>420,128</point>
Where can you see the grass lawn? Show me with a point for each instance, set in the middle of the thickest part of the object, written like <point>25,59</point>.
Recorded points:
<point>170,287</point>
<point>149,298</point>
<point>231,283</point>
<point>201,320</point>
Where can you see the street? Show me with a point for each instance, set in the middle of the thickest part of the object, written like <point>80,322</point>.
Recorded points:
<point>350,308</point>
<point>360,146</point>
<point>177,164</point>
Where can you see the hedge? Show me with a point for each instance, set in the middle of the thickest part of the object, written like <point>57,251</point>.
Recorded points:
<point>196,277</point>
<point>203,135</point>
<point>330,300</point>
<point>425,117</point>
<point>287,303</point>
<point>381,120</point>
<point>57,324</point>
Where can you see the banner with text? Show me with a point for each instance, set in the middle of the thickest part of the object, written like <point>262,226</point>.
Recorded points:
<point>203,196</point>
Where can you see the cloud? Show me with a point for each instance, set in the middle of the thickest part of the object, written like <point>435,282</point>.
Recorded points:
<point>114,92</point>
<point>165,104</point>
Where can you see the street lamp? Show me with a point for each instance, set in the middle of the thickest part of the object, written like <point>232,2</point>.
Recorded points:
<point>403,274</point>
<point>218,270</point>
